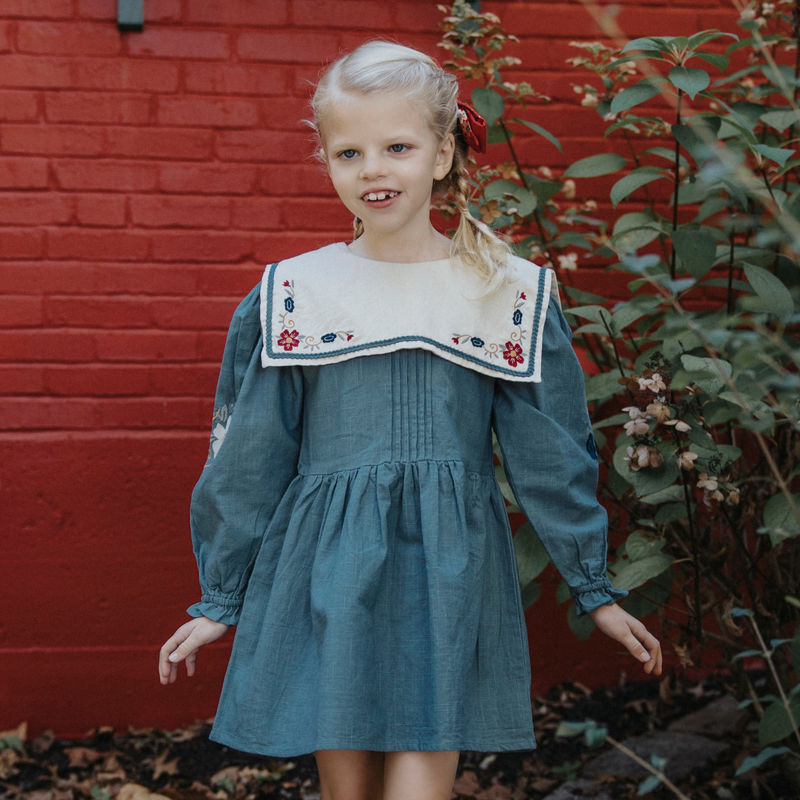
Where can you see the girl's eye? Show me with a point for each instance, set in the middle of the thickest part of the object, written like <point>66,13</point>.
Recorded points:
<point>347,154</point>
<point>398,148</point>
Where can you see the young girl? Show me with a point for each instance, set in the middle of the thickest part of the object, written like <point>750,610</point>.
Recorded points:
<point>348,520</point>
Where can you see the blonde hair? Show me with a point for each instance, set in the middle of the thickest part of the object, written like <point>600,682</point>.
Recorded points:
<point>381,66</point>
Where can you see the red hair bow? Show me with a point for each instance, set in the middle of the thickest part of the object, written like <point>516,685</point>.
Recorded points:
<point>473,127</point>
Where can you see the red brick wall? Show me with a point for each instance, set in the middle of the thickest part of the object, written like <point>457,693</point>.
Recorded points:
<point>146,178</point>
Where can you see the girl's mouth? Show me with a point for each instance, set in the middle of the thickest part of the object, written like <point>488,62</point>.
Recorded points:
<point>380,198</point>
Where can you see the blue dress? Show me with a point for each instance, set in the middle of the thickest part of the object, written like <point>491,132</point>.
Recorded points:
<point>348,522</point>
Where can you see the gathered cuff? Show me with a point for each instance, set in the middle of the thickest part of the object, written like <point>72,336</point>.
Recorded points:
<point>593,595</point>
<point>218,608</point>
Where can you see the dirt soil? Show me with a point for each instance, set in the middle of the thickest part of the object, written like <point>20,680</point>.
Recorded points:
<point>150,764</point>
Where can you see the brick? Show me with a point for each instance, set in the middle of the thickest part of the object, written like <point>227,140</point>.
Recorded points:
<point>226,281</point>
<point>286,113</point>
<point>257,79</point>
<point>101,210</point>
<point>664,21</point>
<point>106,175</point>
<point>5,37</point>
<point>96,380</point>
<point>35,72</point>
<point>153,413</point>
<point>207,179</point>
<point>22,243</point>
<point>421,16</point>
<point>47,345</point>
<point>168,379</point>
<point>293,47</point>
<point>94,245</point>
<point>160,142</point>
<point>97,312</point>
<point>23,173</point>
<point>296,179</point>
<point>45,413</point>
<point>245,13</point>
<point>131,74</point>
<point>21,379</point>
<point>35,209</point>
<point>352,14</point>
<point>173,43</point>
<point>19,107</point>
<point>316,214</point>
<point>20,312</point>
<point>257,213</point>
<point>211,345</point>
<point>52,140</point>
<point>164,211</point>
<point>68,38</point>
<point>201,313</point>
<point>549,19</point>
<point>132,109</point>
<point>154,10</point>
<point>219,112</point>
<point>262,146</point>
<point>143,346</point>
<point>38,9</point>
<point>220,247</point>
<point>721,19</point>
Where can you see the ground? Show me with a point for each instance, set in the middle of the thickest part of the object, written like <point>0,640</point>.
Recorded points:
<point>151,764</point>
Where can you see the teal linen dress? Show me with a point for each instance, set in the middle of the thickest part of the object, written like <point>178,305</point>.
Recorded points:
<point>349,523</point>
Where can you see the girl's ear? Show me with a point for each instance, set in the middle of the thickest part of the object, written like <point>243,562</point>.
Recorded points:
<point>444,159</point>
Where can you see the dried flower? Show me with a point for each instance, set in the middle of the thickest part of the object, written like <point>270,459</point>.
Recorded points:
<point>748,13</point>
<point>733,496</point>
<point>636,426</point>
<point>508,169</point>
<point>653,382</point>
<point>590,205</point>
<point>643,456</point>
<point>590,100</point>
<point>767,9</point>
<point>658,410</point>
<point>546,173</point>
<point>707,483</point>
<point>490,212</point>
<point>679,424</point>
<point>686,459</point>
<point>568,189</point>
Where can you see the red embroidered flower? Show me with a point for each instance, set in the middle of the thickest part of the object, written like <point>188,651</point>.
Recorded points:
<point>288,339</point>
<point>349,336</point>
<point>513,354</point>
<point>455,339</point>
<point>286,283</point>
<point>522,296</point>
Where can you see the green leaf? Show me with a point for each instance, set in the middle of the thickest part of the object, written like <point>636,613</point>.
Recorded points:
<point>594,166</point>
<point>635,180</point>
<point>668,154</point>
<point>570,729</point>
<point>581,626</point>
<point>779,119</point>
<point>752,762</point>
<point>602,386</point>
<point>705,372</point>
<point>775,724</point>
<point>638,546</point>
<point>488,103</point>
<point>634,95</point>
<point>648,784</point>
<point>670,494</point>
<point>776,297</point>
<point>778,513</point>
<point>631,574</point>
<point>530,594</point>
<point>646,43</point>
<point>542,132</point>
<point>703,37</point>
<point>635,230</point>
<point>696,250</point>
<point>532,558</point>
<point>689,80</point>
<point>505,487</point>
<point>716,59</point>
<point>778,154</point>
<point>562,592</point>
<point>795,648</point>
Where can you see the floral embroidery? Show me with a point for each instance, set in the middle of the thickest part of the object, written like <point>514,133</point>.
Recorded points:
<point>590,447</point>
<point>513,354</point>
<point>219,430</point>
<point>512,349</point>
<point>288,339</point>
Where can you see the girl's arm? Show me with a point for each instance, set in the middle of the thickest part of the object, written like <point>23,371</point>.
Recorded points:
<point>545,436</point>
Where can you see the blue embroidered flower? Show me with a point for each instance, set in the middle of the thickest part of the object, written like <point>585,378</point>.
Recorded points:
<point>590,448</point>
<point>517,318</point>
<point>476,342</point>
<point>288,304</point>
<point>329,337</point>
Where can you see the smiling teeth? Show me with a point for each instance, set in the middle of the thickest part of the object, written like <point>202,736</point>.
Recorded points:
<point>380,195</point>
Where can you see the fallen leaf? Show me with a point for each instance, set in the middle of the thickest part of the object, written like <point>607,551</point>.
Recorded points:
<point>20,732</point>
<point>43,742</point>
<point>8,760</point>
<point>229,772</point>
<point>82,756</point>
<point>133,791</point>
<point>467,784</point>
<point>496,792</point>
<point>163,767</point>
<point>543,784</point>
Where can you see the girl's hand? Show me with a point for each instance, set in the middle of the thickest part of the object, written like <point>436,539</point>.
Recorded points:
<point>624,628</point>
<point>184,644</point>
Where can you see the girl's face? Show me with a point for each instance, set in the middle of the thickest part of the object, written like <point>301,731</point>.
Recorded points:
<point>383,158</point>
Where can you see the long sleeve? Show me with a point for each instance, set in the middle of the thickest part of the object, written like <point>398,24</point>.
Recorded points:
<point>544,434</point>
<point>255,443</point>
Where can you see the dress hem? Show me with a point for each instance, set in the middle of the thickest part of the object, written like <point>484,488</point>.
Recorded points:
<point>526,742</point>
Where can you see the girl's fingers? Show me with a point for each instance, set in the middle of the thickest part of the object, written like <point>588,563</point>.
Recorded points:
<point>190,659</point>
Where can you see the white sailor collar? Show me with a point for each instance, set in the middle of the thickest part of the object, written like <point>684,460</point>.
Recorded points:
<point>330,305</point>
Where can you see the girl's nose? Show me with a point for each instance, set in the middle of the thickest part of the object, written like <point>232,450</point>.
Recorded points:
<point>372,166</point>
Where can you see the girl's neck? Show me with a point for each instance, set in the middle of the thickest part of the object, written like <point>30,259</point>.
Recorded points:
<point>434,247</point>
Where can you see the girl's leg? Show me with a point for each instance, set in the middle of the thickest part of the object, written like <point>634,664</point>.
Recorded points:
<point>351,774</point>
<point>416,775</point>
